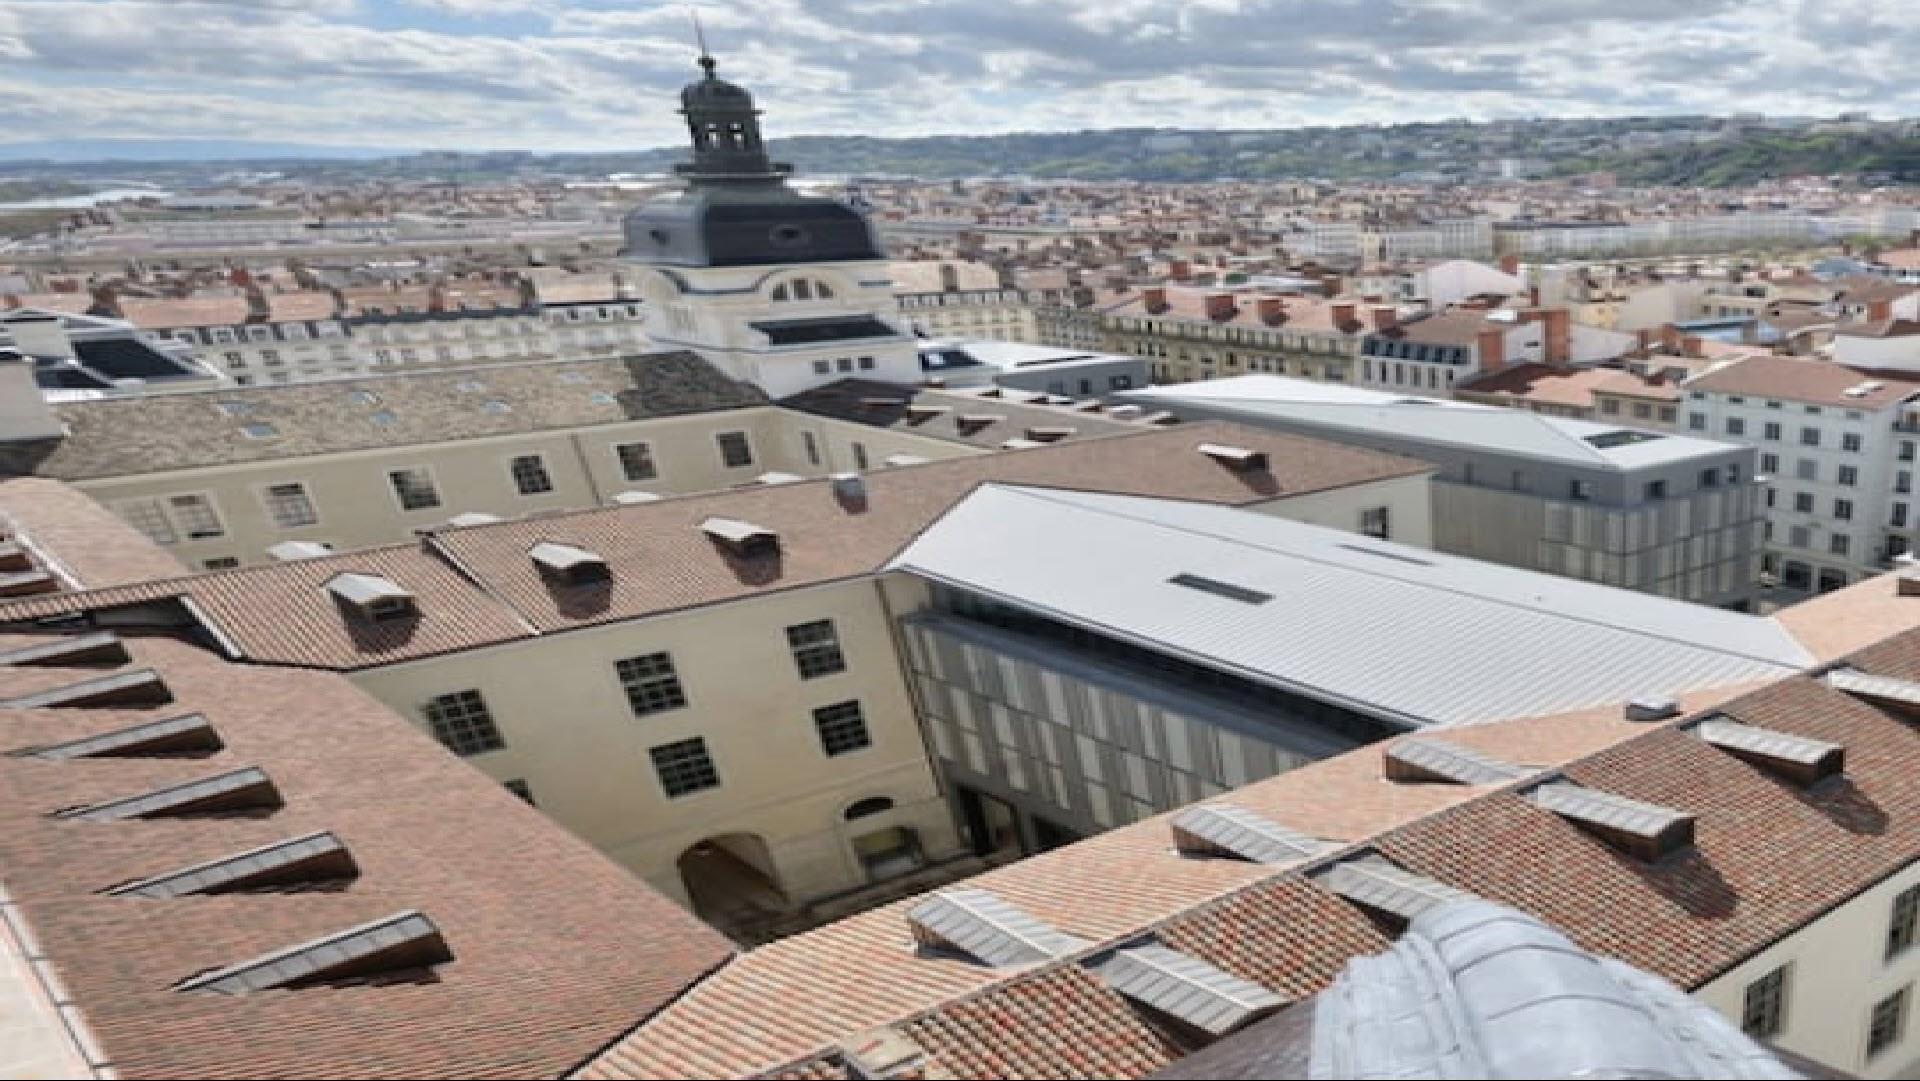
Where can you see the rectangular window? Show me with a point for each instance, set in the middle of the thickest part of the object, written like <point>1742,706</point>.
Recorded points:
<point>530,475</point>
<point>1888,1023</point>
<point>1902,924</point>
<point>1697,421</point>
<point>519,787</point>
<point>651,683</point>
<point>1839,544</point>
<point>1709,478</point>
<point>636,460</point>
<point>860,455</point>
<point>1772,430</point>
<point>812,446</point>
<point>1843,509</point>
<point>289,506</point>
<point>1809,437</point>
<point>842,728</point>
<point>1849,477</point>
<point>1803,502</point>
<point>1850,442</point>
<point>462,723</point>
<point>684,767</point>
<point>1763,1013</point>
<point>1769,464</point>
<point>195,516</point>
<point>1906,450</point>
<point>414,488</point>
<point>1655,489</point>
<point>735,451</point>
<point>1736,426</point>
<point>1899,514</point>
<point>816,649</point>
<point>866,364</point>
<point>1375,522</point>
<point>1806,469</point>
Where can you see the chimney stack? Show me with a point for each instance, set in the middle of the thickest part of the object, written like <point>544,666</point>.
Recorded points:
<point>1273,310</point>
<point>1220,307</point>
<point>1693,345</point>
<point>1384,317</point>
<point>1556,326</point>
<point>1179,269</point>
<point>1510,264</point>
<point>1879,310</point>
<point>1492,346</point>
<point>1156,299</point>
<point>1343,316</point>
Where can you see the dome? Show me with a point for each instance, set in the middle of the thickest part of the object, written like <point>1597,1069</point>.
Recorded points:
<point>748,225</point>
<point>715,93</point>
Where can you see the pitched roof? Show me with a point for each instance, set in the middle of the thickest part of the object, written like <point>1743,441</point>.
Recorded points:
<point>661,560</point>
<point>999,414</point>
<point>160,432</point>
<point>1795,379</point>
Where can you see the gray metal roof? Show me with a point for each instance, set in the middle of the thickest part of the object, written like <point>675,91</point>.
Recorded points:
<point>188,732</point>
<point>986,928</point>
<point>1183,986</point>
<point>1409,635</point>
<point>1333,407</point>
<point>1223,828</point>
<point>402,940</point>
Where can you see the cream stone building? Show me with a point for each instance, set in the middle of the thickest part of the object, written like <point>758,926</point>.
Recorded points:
<point>956,298</point>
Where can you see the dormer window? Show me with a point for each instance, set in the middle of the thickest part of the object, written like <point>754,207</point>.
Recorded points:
<point>372,598</point>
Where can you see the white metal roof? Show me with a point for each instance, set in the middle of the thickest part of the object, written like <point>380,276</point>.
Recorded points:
<point>1339,407</point>
<point>1394,631</point>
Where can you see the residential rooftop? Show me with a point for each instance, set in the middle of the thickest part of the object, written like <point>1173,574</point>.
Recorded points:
<point>987,417</point>
<point>1813,382</point>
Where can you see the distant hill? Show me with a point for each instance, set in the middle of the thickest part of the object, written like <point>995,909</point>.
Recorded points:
<point>92,150</point>
<point>1882,157</point>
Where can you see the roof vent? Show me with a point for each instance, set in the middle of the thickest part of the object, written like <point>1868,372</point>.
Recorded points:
<point>569,565</point>
<point>142,687</point>
<point>1652,708</point>
<point>1906,581</point>
<point>1900,694</point>
<point>290,551</point>
<point>27,583</point>
<point>980,925</point>
<point>1383,887</point>
<point>1244,459</point>
<point>186,734</point>
<point>403,941</point>
<point>1091,405</point>
<point>882,402</point>
<point>473,518</point>
<point>973,422</point>
<point>247,789</point>
<point>99,647</point>
<point>1125,412</point>
<point>1214,829</point>
<point>1188,989</point>
<point>1643,830</point>
<point>1436,760</point>
<point>778,478</point>
<point>15,557</point>
<point>743,539</point>
<point>849,487</point>
<point>634,495</point>
<point>314,858</point>
<point>1050,433</point>
<point>895,461</point>
<point>1794,758</point>
<point>372,597</point>
<point>1021,444</point>
<point>918,412</point>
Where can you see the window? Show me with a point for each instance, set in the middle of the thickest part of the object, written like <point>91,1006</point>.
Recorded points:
<point>463,724</point>
<point>1580,491</point>
<point>1655,489</point>
<point>1906,450</point>
<point>636,460</point>
<point>1898,514</point>
<point>1905,919</point>
<point>1763,1013</point>
<point>1806,469</point>
<point>735,451</point>
<point>651,683</point>
<point>1843,509</point>
<point>860,455</point>
<point>1848,476</point>
<point>1850,442</point>
<point>220,563</point>
<point>812,446</point>
<point>1374,522</point>
<point>1803,502</point>
<point>823,367</point>
<point>1903,481</point>
<point>842,728</point>
<point>1709,478</point>
<point>1888,1022</point>
<point>1809,437</point>
<point>1800,537</point>
<point>684,767</point>
<point>866,364</point>
<point>414,488</point>
<point>888,853</point>
<point>1769,464</point>
<point>816,649</point>
<point>1839,544</point>
<point>530,475</point>
<point>289,505</point>
<point>518,786</point>
<point>1697,421</point>
<point>867,808</point>
<point>1736,426</point>
<point>1772,431</point>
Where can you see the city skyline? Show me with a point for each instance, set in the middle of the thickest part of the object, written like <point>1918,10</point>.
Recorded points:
<point>591,75</point>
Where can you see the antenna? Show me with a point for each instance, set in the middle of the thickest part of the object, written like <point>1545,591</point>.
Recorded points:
<point>700,37</point>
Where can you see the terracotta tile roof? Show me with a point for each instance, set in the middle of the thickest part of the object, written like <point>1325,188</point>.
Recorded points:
<point>1629,385</point>
<point>1190,303</point>
<point>1880,328</point>
<point>923,276</point>
<point>159,432</point>
<point>555,951</point>
<point>91,546</point>
<point>1815,381</point>
<point>1459,326</point>
<point>1768,858</point>
<point>66,303</point>
<point>168,313</point>
<point>1543,383</point>
<point>1832,625</point>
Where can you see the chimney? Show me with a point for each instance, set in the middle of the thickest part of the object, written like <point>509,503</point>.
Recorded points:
<point>24,412</point>
<point>1179,270</point>
<point>1492,346</point>
<point>1156,299</point>
<point>1510,264</point>
<point>1556,326</point>
<point>1220,306</point>
<point>949,278</point>
<point>1384,317</point>
<point>1273,310</point>
<point>1879,311</point>
<point>1343,316</point>
<point>1645,336</point>
<point>1670,339</point>
<point>1693,345</point>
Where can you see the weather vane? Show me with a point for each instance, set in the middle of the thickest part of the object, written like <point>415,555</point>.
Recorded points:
<point>700,37</point>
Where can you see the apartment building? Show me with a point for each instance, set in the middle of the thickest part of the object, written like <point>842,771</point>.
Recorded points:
<point>951,298</point>
<point>1671,514</point>
<point>1188,333</point>
<point>256,337</point>
<point>1836,447</point>
<point>648,614</point>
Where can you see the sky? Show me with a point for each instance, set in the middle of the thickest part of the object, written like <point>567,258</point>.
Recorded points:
<point>600,74</point>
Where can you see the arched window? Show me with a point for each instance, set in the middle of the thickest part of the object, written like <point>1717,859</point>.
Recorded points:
<point>869,807</point>
<point>802,289</point>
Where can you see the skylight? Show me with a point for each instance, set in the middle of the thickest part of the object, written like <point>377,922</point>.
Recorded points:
<point>1220,589</point>
<point>259,431</point>
<point>1620,438</point>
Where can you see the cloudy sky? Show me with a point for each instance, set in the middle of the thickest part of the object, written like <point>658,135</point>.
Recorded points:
<point>598,74</point>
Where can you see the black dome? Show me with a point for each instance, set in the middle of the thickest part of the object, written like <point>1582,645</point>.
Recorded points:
<point>748,225</point>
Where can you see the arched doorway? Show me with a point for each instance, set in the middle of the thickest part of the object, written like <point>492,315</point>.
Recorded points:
<point>732,884</point>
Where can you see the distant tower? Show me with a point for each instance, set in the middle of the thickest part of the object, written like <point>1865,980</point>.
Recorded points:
<point>775,287</point>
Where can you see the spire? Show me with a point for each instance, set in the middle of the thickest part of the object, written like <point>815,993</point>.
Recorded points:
<point>707,62</point>
<point>723,124</point>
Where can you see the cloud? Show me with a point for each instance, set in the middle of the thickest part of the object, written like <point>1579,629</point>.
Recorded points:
<point>601,73</point>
